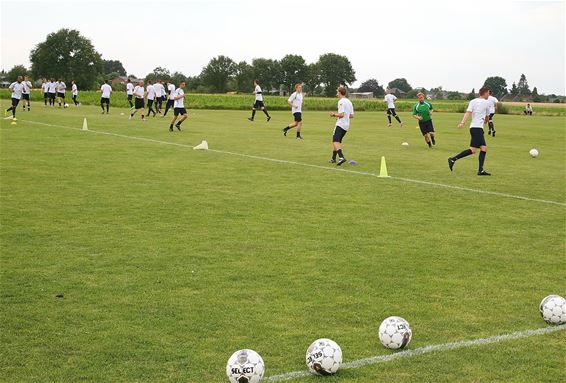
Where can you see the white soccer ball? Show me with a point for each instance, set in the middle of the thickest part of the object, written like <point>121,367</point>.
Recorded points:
<point>534,153</point>
<point>405,143</point>
<point>395,333</point>
<point>66,105</point>
<point>553,309</point>
<point>323,357</point>
<point>245,366</point>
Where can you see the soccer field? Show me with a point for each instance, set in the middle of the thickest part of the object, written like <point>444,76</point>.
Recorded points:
<point>129,257</point>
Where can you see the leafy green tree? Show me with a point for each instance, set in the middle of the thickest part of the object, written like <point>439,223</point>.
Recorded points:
<point>453,96</point>
<point>293,71</point>
<point>159,73</point>
<point>111,66</point>
<point>523,86</point>
<point>497,84</point>
<point>67,55</point>
<point>335,70</point>
<point>268,72</point>
<point>243,77</point>
<point>217,73</point>
<point>401,84</point>
<point>17,70</point>
<point>514,91</point>
<point>535,95</point>
<point>312,79</point>
<point>413,92</point>
<point>373,86</point>
<point>471,95</point>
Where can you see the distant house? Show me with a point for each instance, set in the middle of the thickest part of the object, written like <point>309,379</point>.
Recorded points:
<point>124,80</point>
<point>397,92</point>
<point>4,84</point>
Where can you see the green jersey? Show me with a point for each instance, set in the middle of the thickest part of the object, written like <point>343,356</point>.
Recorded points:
<point>423,109</point>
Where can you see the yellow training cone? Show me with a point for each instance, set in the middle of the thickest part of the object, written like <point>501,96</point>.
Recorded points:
<point>383,169</point>
<point>85,125</point>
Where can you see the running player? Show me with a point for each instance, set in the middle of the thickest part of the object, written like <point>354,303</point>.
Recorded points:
<point>17,88</point>
<point>159,93</point>
<point>106,90</point>
<point>75,92</point>
<point>478,108</point>
<point>26,93</point>
<point>390,100</point>
<point>52,90</point>
<point>61,88</point>
<point>492,110</point>
<point>345,113</point>
<point>139,94</point>
<point>258,102</point>
<point>44,89</point>
<point>422,111</point>
<point>296,104</point>
<point>170,98</point>
<point>179,107</point>
<point>150,98</point>
<point>130,92</point>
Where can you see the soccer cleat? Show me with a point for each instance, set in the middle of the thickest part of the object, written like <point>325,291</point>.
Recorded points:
<point>433,140</point>
<point>129,118</point>
<point>14,119</point>
<point>401,124</point>
<point>144,120</point>
<point>102,112</point>
<point>341,161</point>
<point>389,125</point>
<point>170,129</point>
<point>178,126</point>
<point>268,118</point>
<point>451,162</point>
<point>251,119</point>
<point>493,133</point>
<point>299,138</point>
<point>285,130</point>
<point>332,161</point>
<point>489,132</point>
<point>483,173</point>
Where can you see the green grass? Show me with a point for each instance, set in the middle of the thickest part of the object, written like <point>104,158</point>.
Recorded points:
<point>244,102</point>
<point>170,259</point>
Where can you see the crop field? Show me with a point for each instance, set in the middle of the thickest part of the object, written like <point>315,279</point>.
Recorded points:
<point>127,256</point>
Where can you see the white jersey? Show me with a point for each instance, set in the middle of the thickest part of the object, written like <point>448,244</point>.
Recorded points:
<point>492,103</point>
<point>129,89</point>
<point>258,93</point>
<point>150,92</point>
<point>106,90</point>
<point>171,89</point>
<point>296,100</point>
<point>345,106</point>
<point>159,90</point>
<point>139,91</point>
<point>180,103</point>
<point>51,87</point>
<point>45,87</point>
<point>27,86</point>
<point>390,100</point>
<point>74,90</point>
<point>479,108</point>
<point>17,89</point>
<point>61,87</point>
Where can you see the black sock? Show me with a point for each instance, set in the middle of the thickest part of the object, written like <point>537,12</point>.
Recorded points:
<point>107,108</point>
<point>389,118</point>
<point>432,139</point>
<point>9,109</point>
<point>334,153</point>
<point>298,134</point>
<point>143,116</point>
<point>265,111</point>
<point>490,123</point>
<point>398,119</point>
<point>340,154</point>
<point>253,113</point>
<point>287,128</point>
<point>171,126</point>
<point>429,144</point>
<point>481,160</point>
<point>465,153</point>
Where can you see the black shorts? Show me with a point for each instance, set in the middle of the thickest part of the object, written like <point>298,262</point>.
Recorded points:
<point>25,96</point>
<point>170,103</point>
<point>179,111</point>
<point>140,103</point>
<point>339,134</point>
<point>478,138</point>
<point>391,111</point>
<point>491,116</point>
<point>149,103</point>
<point>298,116</point>
<point>45,95</point>
<point>258,104</point>
<point>426,127</point>
<point>105,100</point>
<point>130,97</point>
<point>51,96</point>
<point>15,101</point>
<point>60,95</point>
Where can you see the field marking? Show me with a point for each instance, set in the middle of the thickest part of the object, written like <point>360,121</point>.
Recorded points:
<point>327,168</point>
<point>425,350</point>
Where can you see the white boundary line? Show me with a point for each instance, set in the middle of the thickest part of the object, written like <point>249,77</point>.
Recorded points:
<point>425,350</point>
<point>327,168</point>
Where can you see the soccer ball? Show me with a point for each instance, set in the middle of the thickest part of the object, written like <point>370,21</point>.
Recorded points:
<point>553,309</point>
<point>245,366</point>
<point>323,357</point>
<point>534,153</point>
<point>66,105</point>
<point>395,333</point>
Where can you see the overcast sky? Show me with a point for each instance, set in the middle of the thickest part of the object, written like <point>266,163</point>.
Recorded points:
<point>456,44</point>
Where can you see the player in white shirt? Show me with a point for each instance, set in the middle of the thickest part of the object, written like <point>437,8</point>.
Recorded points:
<point>26,93</point>
<point>159,96</point>
<point>17,89</point>
<point>52,92</point>
<point>528,110</point>
<point>61,87</point>
<point>150,98</point>
<point>492,109</point>
<point>345,113</point>
<point>295,101</point>
<point>478,109</point>
<point>130,92</point>
<point>390,100</point>
<point>179,107</point>
<point>75,93</point>
<point>170,97</point>
<point>44,89</point>
<point>258,102</point>
<point>106,91</point>
<point>139,94</point>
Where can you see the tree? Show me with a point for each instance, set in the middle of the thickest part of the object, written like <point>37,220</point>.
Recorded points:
<point>111,66</point>
<point>514,91</point>
<point>471,95</point>
<point>268,72</point>
<point>159,73</point>
<point>17,70</point>
<point>335,70</point>
<point>497,84</point>
<point>243,77</point>
<point>293,71</point>
<point>523,86</point>
<point>454,96</point>
<point>400,83</point>
<point>535,95</point>
<point>312,79</point>
<point>67,55</point>
<point>373,86</point>
<point>217,73</point>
